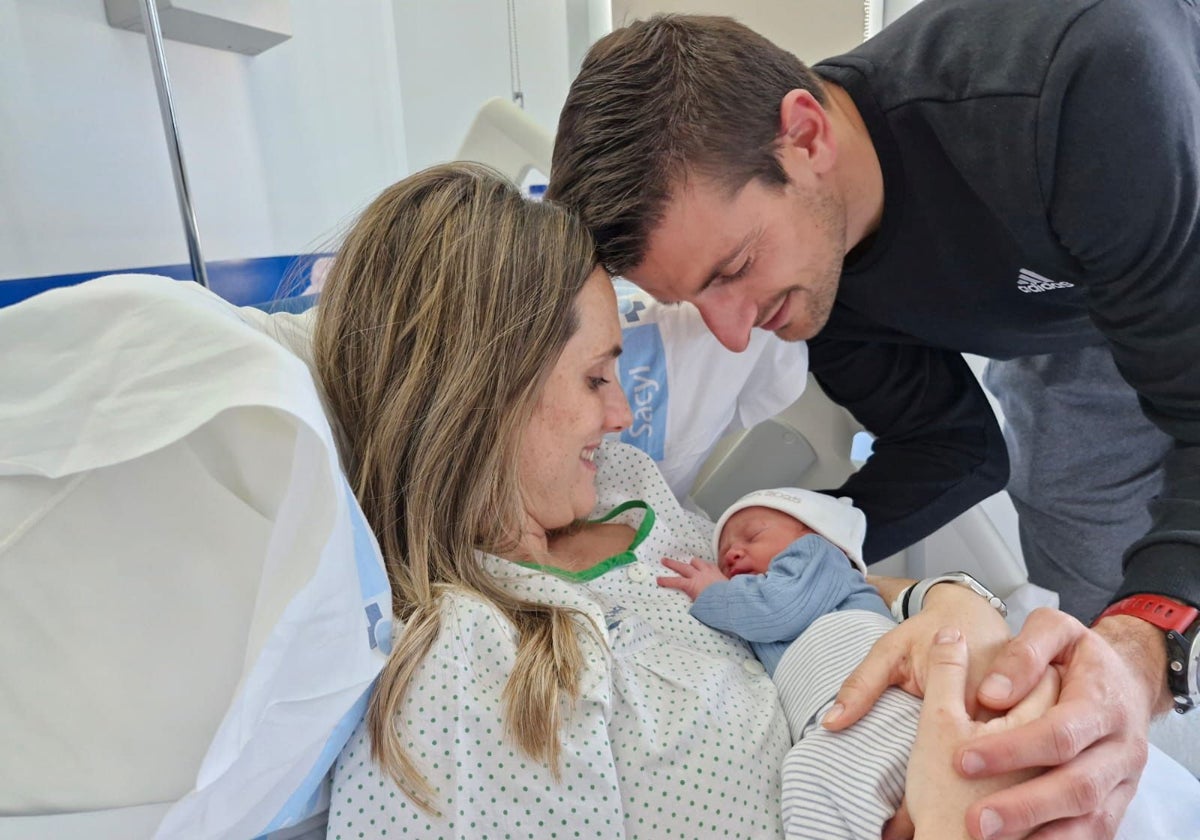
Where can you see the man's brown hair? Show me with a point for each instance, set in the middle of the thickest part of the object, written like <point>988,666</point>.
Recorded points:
<point>661,100</point>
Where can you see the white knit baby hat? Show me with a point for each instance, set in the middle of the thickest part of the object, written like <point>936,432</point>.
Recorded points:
<point>835,519</point>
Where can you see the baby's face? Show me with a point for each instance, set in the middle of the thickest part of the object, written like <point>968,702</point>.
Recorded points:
<point>753,536</point>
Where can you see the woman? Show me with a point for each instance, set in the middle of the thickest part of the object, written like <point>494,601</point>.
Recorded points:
<point>543,684</point>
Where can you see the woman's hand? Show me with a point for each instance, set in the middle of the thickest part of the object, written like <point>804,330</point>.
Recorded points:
<point>936,793</point>
<point>1094,739</point>
<point>900,657</point>
<point>694,577</point>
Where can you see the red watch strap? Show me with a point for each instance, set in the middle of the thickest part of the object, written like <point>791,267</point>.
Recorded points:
<point>1164,613</point>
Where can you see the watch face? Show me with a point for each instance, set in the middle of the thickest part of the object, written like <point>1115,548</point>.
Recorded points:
<point>1193,669</point>
<point>1183,669</point>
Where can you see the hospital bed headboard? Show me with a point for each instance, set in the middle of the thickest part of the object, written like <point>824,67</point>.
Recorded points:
<point>808,444</point>
<point>506,138</point>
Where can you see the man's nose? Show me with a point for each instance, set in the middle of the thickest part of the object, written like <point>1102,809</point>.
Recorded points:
<point>729,317</point>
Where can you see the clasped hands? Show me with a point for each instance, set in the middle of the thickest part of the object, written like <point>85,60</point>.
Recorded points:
<point>1064,759</point>
<point>1072,706</point>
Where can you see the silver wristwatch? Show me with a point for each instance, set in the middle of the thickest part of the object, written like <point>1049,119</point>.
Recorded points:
<point>909,602</point>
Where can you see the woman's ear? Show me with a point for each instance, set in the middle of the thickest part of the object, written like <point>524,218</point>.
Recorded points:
<point>806,133</point>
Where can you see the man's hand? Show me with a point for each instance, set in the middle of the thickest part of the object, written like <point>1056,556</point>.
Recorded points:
<point>899,658</point>
<point>1094,739</point>
<point>936,795</point>
<point>694,577</point>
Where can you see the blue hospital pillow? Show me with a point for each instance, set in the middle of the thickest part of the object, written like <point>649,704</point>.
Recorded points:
<point>686,391</point>
<point>643,371</point>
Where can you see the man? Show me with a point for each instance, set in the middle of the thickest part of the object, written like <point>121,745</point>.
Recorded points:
<point>1012,178</point>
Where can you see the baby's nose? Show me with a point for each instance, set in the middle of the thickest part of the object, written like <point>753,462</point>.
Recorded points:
<point>731,556</point>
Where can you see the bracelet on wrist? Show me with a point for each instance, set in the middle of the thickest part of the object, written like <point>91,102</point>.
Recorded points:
<point>912,598</point>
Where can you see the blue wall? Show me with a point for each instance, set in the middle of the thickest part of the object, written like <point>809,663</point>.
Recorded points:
<point>242,282</point>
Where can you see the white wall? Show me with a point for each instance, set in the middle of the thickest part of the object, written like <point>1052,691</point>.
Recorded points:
<point>809,29</point>
<point>280,148</point>
<point>892,9</point>
<point>453,57</point>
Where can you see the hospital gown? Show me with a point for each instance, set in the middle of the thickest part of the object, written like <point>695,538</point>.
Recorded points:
<point>677,731</point>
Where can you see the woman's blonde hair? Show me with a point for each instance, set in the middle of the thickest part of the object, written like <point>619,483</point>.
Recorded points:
<point>445,310</point>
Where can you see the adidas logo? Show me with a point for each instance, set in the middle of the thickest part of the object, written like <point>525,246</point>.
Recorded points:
<point>1030,281</point>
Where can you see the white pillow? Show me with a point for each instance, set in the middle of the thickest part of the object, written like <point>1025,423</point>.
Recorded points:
<point>189,589</point>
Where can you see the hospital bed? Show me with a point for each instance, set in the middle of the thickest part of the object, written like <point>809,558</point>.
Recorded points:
<point>118,711</point>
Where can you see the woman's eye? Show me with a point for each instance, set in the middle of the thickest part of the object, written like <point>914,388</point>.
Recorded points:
<point>594,382</point>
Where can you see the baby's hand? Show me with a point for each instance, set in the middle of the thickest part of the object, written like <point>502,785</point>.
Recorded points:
<point>694,577</point>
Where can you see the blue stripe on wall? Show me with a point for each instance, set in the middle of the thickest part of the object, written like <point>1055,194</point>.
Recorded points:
<point>242,282</point>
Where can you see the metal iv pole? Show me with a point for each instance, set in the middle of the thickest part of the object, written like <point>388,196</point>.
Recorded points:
<point>171,130</point>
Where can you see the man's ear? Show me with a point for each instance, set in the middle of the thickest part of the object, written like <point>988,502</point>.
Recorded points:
<point>806,132</point>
